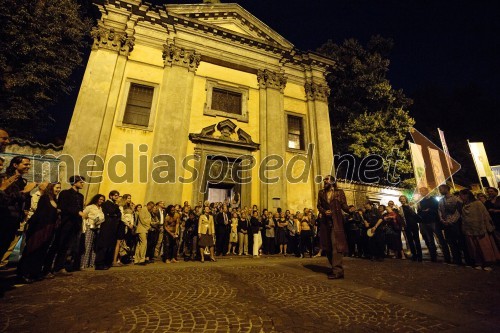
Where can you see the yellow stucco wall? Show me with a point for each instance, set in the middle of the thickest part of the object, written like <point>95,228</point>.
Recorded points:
<point>120,136</point>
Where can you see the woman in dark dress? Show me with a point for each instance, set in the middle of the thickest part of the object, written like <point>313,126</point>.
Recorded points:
<point>39,235</point>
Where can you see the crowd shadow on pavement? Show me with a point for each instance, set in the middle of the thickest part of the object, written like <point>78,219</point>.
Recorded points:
<point>8,280</point>
<point>317,268</point>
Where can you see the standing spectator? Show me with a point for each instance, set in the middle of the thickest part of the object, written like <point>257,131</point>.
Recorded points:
<point>222,231</point>
<point>270,233</point>
<point>449,215</point>
<point>375,225</point>
<point>191,235</point>
<point>306,235</point>
<point>71,205</point>
<point>143,226</point>
<point>106,241</point>
<point>354,223</point>
<point>493,207</point>
<point>154,234</point>
<point>293,234</point>
<point>281,233</point>
<point>331,203</point>
<point>125,225</point>
<point>428,212</point>
<point>264,221</point>
<point>91,225</point>
<point>393,232</point>
<point>411,221</point>
<point>206,233</point>
<point>233,236</point>
<point>4,140</point>
<point>39,235</point>
<point>16,191</point>
<point>478,228</point>
<point>172,221</point>
<point>158,233</point>
<point>243,234</point>
<point>257,237</point>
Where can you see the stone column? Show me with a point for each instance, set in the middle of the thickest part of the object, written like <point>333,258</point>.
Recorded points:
<point>92,120</point>
<point>171,129</point>
<point>320,93</point>
<point>272,134</point>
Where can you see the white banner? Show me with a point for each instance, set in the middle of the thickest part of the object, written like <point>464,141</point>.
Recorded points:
<point>481,161</point>
<point>445,148</point>
<point>418,165</point>
<point>437,167</point>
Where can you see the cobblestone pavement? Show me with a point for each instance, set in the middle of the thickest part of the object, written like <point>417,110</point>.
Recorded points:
<point>272,294</point>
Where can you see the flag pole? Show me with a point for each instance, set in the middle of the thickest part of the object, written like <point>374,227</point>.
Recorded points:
<point>447,157</point>
<point>475,165</point>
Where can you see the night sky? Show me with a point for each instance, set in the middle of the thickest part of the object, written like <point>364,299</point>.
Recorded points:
<point>449,49</point>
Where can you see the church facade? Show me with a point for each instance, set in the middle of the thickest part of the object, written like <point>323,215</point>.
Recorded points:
<point>200,102</point>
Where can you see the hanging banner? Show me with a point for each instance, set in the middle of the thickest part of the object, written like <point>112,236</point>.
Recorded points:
<point>496,172</point>
<point>437,167</point>
<point>418,165</point>
<point>481,161</point>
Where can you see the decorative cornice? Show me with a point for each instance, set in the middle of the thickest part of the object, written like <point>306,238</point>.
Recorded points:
<point>317,92</point>
<point>224,134</point>
<point>174,55</point>
<point>269,79</point>
<point>108,38</point>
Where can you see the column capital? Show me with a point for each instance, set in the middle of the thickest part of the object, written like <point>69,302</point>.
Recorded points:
<point>317,91</point>
<point>270,79</point>
<point>108,38</point>
<point>175,55</point>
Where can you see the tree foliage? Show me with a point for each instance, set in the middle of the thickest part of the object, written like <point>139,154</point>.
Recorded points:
<point>40,43</point>
<point>368,116</point>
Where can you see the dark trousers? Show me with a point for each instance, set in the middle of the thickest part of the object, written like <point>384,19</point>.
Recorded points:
<point>306,242</point>
<point>106,243</point>
<point>221,241</point>
<point>377,244</point>
<point>270,245</point>
<point>413,240</point>
<point>456,242</point>
<point>8,229</point>
<point>365,244</point>
<point>294,245</point>
<point>428,230</point>
<point>152,242</point>
<point>65,236</point>
<point>443,244</point>
<point>170,251</point>
<point>354,242</point>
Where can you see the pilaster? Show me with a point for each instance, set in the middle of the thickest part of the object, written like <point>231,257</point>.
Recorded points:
<point>172,121</point>
<point>272,134</point>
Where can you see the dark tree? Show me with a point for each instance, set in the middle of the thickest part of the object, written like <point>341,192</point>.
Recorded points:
<point>41,44</point>
<point>368,116</point>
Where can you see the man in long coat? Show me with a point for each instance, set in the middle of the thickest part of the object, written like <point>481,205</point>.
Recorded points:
<point>331,202</point>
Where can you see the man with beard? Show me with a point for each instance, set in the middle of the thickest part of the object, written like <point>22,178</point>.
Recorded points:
<point>331,203</point>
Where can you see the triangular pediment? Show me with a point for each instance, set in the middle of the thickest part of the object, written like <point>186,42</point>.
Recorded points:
<point>232,18</point>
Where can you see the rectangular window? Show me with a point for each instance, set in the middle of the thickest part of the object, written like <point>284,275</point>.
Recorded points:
<point>226,101</point>
<point>139,102</point>
<point>295,132</point>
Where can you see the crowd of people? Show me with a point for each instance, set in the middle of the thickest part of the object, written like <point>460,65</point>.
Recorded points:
<point>64,234</point>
